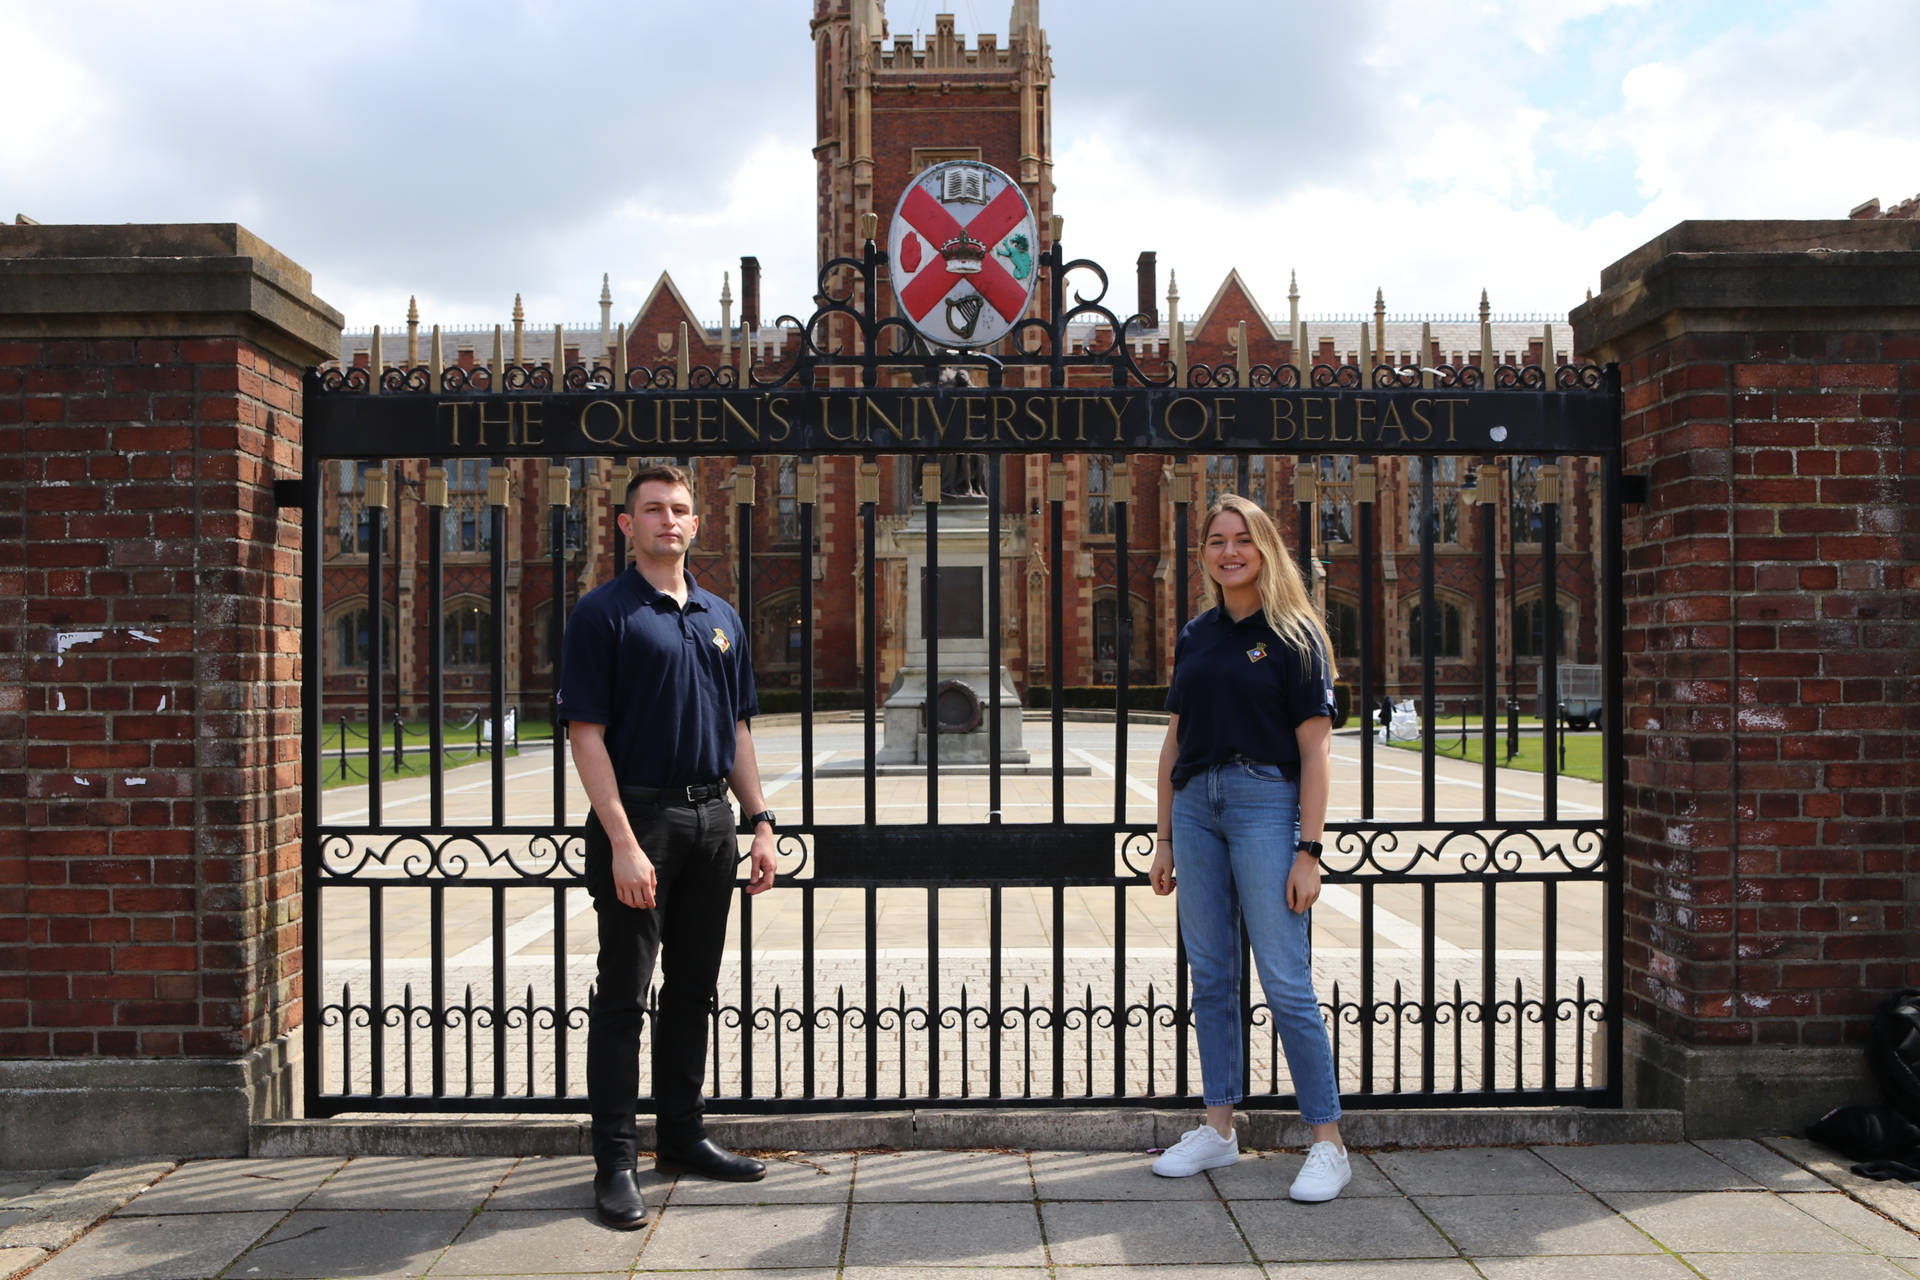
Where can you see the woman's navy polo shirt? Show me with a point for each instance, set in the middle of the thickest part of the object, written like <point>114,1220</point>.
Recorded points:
<point>669,683</point>
<point>1240,690</point>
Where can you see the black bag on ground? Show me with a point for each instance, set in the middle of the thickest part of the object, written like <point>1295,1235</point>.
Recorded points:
<point>1893,1052</point>
<point>1865,1133</point>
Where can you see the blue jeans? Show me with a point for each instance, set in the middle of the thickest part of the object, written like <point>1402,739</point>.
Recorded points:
<point>1234,831</point>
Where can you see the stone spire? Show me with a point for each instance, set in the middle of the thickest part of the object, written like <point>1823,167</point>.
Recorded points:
<point>606,311</point>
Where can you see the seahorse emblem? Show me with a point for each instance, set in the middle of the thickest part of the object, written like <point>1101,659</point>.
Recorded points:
<point>1018,251</point>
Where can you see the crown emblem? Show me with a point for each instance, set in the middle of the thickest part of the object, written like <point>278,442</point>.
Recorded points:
<point>964,255</point>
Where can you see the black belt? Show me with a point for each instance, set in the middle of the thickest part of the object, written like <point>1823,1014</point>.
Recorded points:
<point>691,794</point>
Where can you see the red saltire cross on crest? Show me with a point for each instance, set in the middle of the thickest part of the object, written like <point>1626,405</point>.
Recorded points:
<point>932,220</point>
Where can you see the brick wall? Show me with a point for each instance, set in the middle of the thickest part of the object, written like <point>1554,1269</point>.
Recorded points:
<point>1772,397</point>
<point>151,606</point>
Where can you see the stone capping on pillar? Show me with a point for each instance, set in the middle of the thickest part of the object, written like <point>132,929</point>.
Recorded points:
<point>1718,277</point>
<point>170,280</point>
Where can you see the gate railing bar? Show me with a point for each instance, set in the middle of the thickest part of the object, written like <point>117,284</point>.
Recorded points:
<point>933,993</point>
<point>1123,637</point>
<point>1550,647</point>
<point>1056,626</point>
<point>1613,719</point>
<point>437,998</point>
<point>1364,481</point>
<point>870,640</point>
<point>930,615</point>
<point>498,893</point>
<point>747,1012</point>
<point>996,643</point>
<point>559,495</point>
<point>807,483</point>
<point>436,495</point>
<point>312,726</point>
<point>1487,492</point>
<point>377,950</point>
<point>1550,980</point>
<point>376,635</point>
<point>497,624</point>
<point>1429,639</point>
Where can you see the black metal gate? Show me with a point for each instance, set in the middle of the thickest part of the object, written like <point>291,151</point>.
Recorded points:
<point>991,959</point>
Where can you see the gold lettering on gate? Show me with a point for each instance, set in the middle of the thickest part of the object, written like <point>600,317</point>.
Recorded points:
<point>1194,406</point>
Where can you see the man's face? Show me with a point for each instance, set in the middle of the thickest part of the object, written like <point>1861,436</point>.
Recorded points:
<point>661,523</point>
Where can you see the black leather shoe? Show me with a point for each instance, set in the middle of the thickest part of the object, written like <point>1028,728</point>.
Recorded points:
<point>708,1160</point>
<point>617,1199</point>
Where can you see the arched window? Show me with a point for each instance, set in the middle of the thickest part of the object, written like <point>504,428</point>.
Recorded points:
<point>1449,646</point>
<point>779,632</point>
<point>1108,637</point>
<point>1238,473</point>
<point>349,639</point>
<point>467,634</point>
<point>786,500</point>
<point>1336,498</point>
<point>469,518</point>
<point>1446,499</point>
<point>1099,488</point>
<point>1530,626</point>
<point>1343,623</point>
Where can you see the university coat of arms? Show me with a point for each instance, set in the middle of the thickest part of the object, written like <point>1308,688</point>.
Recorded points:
<point>962,248</point>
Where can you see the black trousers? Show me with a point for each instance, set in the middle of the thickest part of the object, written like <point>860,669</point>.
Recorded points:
<point>694,858</point>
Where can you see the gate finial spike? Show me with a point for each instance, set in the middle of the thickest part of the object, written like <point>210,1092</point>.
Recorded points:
<point>606,289</point>
<point>519,313</point>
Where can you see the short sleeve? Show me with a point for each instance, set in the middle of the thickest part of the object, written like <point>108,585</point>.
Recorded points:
<point>1312,692</point>
<point>1174,699</point>
<point>586,666</point>
<point>746,695</point>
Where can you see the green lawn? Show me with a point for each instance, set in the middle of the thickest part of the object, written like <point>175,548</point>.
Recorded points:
<point>1582,750</point>
<point>459,747</point>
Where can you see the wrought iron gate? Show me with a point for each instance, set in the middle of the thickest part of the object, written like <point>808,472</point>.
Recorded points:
<point>1014,955</point>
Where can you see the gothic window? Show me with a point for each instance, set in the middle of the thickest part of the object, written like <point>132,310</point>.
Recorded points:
<point>1530,627</point>
<point>1343,622</point>
<point>1237,473</point>
<point>1525,504</point>
<point>1446,500</point>
<point>580,473</point>
<point>1448,647</point>
<point>349,639</point>
<point>467,634</point>
<point>1336,498</point>
<point>779,632</point>
<point>355,520</point>
<point>1099,488</point>
<point>786,502</point>
<point>1107,637</point>
<point>469,518</point>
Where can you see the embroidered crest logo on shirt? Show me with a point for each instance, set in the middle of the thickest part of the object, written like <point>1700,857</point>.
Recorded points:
<point>720,640</point>
<point>1258,652</point>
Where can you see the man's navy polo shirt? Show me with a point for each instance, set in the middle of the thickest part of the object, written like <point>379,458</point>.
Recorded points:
<point>668,683</point>
<point>1240,690</point>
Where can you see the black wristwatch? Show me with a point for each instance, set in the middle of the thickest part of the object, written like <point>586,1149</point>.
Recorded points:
<point>752,820</point>
<point>1311,848</point>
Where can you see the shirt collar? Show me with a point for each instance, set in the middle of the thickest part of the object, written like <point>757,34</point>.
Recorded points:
<point>698,597</point>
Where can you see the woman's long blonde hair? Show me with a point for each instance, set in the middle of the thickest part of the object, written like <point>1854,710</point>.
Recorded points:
<point>1283,596</point>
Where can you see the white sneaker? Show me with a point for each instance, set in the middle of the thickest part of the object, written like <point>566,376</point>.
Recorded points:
<point>1198,1149</point>
<point>1321,1177</point>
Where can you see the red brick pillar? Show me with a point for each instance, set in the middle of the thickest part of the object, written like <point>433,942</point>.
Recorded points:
<point>149,700</point>
<point>1772,383</point>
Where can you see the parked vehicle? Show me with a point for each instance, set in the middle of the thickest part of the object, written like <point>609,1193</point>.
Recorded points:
<point>1580,695</point>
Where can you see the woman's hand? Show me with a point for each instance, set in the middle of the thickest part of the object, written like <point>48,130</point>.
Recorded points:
<point>1160,874</point>
<point>1303,883</point>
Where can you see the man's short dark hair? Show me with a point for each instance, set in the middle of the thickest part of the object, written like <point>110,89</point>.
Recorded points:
<point>664,472</point>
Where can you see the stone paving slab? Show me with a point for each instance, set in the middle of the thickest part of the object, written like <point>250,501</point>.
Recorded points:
<point>970,1176</point>
<point>1728,1222</point>
<point>234,1186</point>
<point>1897,1200</point>
<point>1530,1225</point>
<point>718,1237</point>
<point>797,1178</point>
<point>497,1241</point>
<point>1619,1267</point>
<point>343,1242</point>
<point>1110,1175</point>
<point>1790,1266</point>
<point>1283,1231</point>
<point>950,1235</point>
<point>1090,1232</point>
<point>1763,1167</point>
<point>1633,1167</point>
<point>561,1182</point>
<point>173,1248</point>
<point>1472,1171</point>
<point>411,1182</point>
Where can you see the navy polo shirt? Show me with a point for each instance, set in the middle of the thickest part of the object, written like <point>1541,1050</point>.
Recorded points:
<point>1240,690</point>
<point>669,683</point>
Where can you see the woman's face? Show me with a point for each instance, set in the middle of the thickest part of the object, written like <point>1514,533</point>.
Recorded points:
<point>1230,556</point>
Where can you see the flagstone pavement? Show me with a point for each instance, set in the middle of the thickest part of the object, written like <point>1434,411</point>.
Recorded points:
<point>1728,1210</point>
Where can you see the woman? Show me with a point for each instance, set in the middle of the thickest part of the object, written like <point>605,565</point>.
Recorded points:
<point>1244,775</point>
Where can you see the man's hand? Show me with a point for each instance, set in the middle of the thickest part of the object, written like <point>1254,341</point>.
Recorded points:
<point>633,877</point>
<point>1303,883</point>
<point>761,859</point>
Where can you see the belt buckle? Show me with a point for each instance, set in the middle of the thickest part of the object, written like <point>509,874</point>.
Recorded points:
<point>688,791</point>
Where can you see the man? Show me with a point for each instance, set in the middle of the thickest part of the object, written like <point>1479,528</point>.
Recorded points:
<point>657,693</point>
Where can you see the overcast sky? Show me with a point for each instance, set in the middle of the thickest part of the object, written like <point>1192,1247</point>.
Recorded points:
<point>466,152</point>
